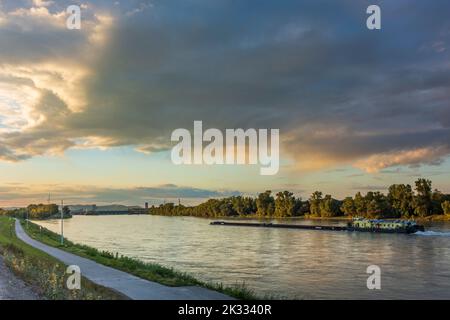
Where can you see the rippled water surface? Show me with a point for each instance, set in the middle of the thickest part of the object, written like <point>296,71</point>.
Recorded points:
<point>286,263</point>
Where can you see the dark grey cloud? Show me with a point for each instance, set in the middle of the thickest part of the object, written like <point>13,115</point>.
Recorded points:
<point>311,68</point>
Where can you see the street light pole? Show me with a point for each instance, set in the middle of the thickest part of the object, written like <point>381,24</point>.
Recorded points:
<point>62,222</point>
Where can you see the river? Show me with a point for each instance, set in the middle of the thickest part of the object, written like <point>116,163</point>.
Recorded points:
<point>283,263</point>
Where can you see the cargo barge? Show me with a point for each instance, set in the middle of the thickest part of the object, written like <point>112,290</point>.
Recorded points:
<point>357,224</point>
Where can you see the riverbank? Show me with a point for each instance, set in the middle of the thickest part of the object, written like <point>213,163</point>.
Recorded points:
<point>306,217</point>
<point>432,218</point>
<point>42,272</point>
<point>148,271</point>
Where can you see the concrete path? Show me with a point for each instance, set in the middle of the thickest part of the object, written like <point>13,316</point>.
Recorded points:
<point>125,283</point>
<point>13,288</point>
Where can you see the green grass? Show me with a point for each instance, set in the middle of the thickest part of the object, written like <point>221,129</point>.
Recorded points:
<point>150,271</point>
<point>43,272</point>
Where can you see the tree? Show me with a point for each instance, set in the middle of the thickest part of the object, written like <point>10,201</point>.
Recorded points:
<point>360,204</point>
<point>304,208</point>
<point>329,207</point>
<point>213,206</point>
<point>42,211</point>
<point>66,211</point>
<point>401,201</point>
<point>422,201</point>
<point>265,204</point>
<point>243,205</point>
<point>226,209</point>
<point>401,198</point>
<point>348,207</point>
<point>446,207</point>
<point>437,198</point>
<point>314,203</point>
<point>377,205</point>
<point>249,205</point>
<point>238,204</point>
<point>286,205</point>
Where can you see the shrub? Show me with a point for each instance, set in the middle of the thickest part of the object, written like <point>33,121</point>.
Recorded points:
<point>446,207</point>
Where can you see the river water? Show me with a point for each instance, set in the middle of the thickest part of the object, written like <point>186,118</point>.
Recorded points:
<point>283,263</point>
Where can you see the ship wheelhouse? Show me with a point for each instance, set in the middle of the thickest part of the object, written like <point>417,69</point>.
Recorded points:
<point>379,225</point>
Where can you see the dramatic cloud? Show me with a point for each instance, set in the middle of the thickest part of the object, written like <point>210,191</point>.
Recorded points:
<point>339,93</point>
<point>377,162</point>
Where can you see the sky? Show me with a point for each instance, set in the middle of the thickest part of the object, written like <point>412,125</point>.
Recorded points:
<point>87,115</point>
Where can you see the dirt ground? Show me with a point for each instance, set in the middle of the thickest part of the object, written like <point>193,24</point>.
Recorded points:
<point>13,288</point>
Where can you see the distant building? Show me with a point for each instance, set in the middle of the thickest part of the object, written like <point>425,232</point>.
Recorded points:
<point>146,205</point>
<point>135,210</point>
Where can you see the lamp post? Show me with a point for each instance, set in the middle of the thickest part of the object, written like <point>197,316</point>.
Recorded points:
<point>62,222</point>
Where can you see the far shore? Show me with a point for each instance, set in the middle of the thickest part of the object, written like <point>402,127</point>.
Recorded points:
<point>432,218</point>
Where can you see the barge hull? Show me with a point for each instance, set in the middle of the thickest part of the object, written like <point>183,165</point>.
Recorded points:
<point>308,227</point>
<point>284,226</point>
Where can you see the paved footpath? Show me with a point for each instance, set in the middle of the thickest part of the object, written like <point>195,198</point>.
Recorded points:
<point>125,283</point>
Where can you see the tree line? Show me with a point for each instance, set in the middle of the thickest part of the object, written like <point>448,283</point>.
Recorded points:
<point>37,212</point>
<point>402,201</point>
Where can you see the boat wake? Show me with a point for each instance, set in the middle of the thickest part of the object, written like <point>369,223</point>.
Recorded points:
<point>433,233</point>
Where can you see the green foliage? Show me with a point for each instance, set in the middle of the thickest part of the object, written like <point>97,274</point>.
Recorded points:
<point>265,204</point>
<point>323,206</point>
<point>286,205</point>
<point>401,201</point>
<point>423,205</point>
<point>243,205</point>
<point>437,198</point>
<point>42,211</point>
<point>401,198</point>
<point>329,207</point>
<point>15,213</point>
<point>446,207</point>
<point>232,206</point>
<point>348,207</point>
<point>377,205</point>
<point>314,203</point>
<point>360,204</point>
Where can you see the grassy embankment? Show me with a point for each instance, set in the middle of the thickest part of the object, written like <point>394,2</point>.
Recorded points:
<point>149,271</point>
<point>43,272</point>
<point>433,218</point>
